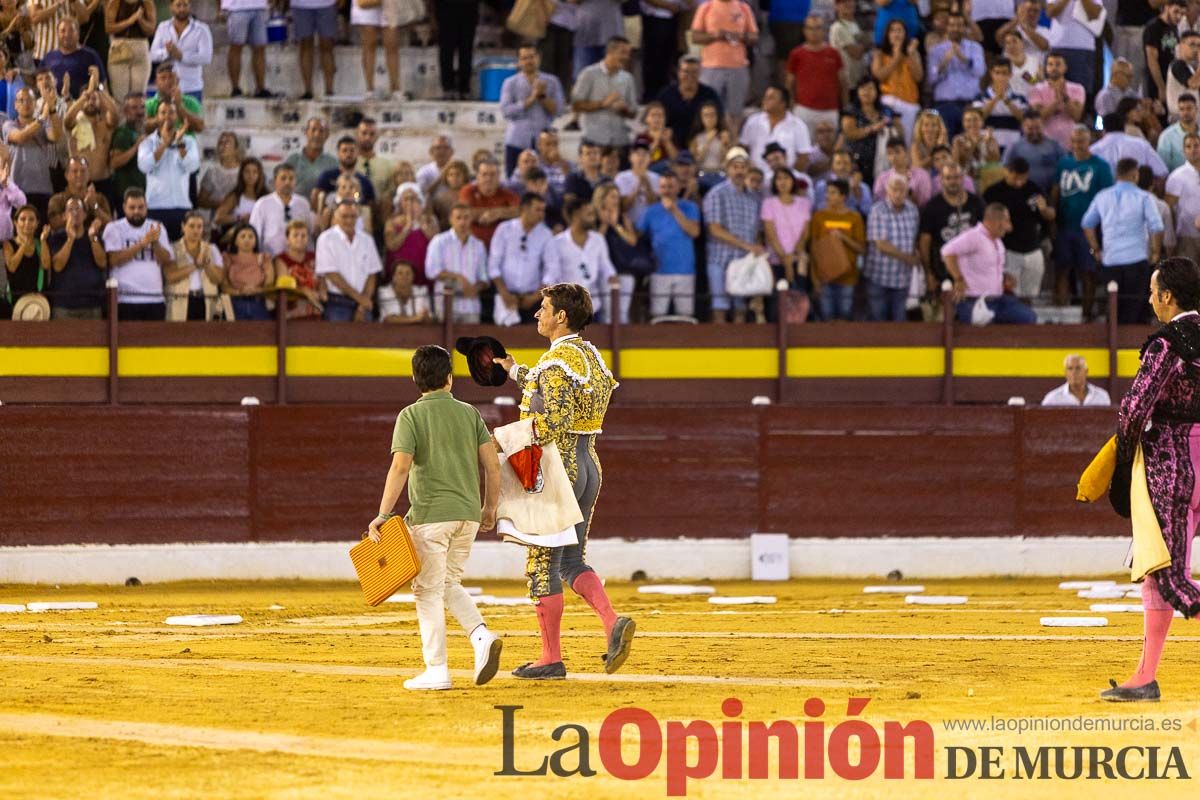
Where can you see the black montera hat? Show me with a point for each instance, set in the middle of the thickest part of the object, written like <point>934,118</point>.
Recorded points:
<point>481,353</point>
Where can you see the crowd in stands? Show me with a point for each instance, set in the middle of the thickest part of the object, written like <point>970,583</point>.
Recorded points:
<point>893,149</point>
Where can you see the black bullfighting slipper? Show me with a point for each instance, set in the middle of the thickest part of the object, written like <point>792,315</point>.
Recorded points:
<point>1136,694</point>
<point>619,642</point>
<point>547,672</point>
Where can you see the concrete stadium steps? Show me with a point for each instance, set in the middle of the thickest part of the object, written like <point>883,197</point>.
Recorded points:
<point>273,129</point>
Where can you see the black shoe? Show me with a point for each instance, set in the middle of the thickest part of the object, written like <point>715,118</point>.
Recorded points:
<point>306,96</point>
<point>1136,694</point>
<point>237,92</point>
<point>264,94</point>
<point>548,672</point>
<point>619,642</point>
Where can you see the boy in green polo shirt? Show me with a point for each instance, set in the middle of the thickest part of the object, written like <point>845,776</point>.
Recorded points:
<point>438,446</point>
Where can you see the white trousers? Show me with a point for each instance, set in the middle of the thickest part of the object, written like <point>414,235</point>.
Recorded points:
<point>1027,269</point>
<point>443,548</point>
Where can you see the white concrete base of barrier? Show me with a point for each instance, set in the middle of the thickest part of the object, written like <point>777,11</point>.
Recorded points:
<point>617,559</point>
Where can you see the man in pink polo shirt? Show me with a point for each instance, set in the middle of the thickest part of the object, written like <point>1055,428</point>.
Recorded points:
<point>1058,101</point>
<point>975,260</point>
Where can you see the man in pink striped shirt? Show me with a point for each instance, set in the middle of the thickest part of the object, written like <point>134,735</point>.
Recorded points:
<point>975,259</point>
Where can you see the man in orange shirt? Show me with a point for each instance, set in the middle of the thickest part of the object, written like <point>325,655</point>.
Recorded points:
<point>490,202</point>
<point>723,29</point>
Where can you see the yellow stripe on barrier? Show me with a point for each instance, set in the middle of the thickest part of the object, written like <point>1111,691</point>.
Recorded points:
<point>180,362</point>
<point>1128,362</point>
<point>56,362</point>
<point>350,362</point>
<point>865,362</point>
<point>1024,362</point>
<point>699,362</point>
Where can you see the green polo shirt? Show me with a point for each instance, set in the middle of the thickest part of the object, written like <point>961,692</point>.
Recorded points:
<point>190,105</point>
<point>443,435</point>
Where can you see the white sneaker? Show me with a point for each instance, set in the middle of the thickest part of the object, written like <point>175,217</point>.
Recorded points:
<point>487,655</point>
<point>431,678</point>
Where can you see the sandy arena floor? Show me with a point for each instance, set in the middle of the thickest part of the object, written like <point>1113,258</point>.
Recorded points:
<point>306,701</point>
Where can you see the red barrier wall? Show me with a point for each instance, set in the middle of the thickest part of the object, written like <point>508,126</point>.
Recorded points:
<point>187,474</point>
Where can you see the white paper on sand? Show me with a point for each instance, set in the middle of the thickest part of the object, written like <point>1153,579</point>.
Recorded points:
<point>10,608</point>
<point>1101,594</point>
<point>1074,622</point>
<point>66,606</point>
<point>204,620</point>
<point>936,600</point>
<point>1116,608</point>
<point>401,598</point>
<point>566,536</point>
<point>676,588</point>
<point>1073,585</point>
<point>745,600</point>
<point>893,589</point>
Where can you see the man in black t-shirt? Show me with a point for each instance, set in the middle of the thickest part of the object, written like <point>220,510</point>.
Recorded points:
<point>1024,261</point>
<point>1159,40</point>
<point>1131,18</point>
<point>683,101</point>
<point>945,216</point>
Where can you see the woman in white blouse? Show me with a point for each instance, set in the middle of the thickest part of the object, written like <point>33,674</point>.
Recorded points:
<point>402,300</point>
<point>580,255</point>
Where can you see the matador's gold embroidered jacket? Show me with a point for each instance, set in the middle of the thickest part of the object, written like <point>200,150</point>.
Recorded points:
<point>567,393</point>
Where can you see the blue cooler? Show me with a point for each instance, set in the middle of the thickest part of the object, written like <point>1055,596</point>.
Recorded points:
<point>492,73</point>
<point>277,30</point>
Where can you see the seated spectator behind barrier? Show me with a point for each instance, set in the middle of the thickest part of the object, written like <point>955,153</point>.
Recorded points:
<point>1128,220</point>
<point>408,233</point>
<point>138,253</point>
<point>1077,391</point>
<point>661,138</point>
<point>490,203</point>
<point>975,261</point>
<point>249,273</point>
<point>515,261</point>
<point>168,157</point>
<point>80,265</point>
<point>300,263</point>
<point>580,255</point>
<point>194,284</point>
<point>237,206</point>
<point>441,151</point>
<point>672,226</point>
<point>403,301</point>
<point>836,298</point>
<point>458,259</point>
<point>348,267</point>
<point>218,177</point>
<point>731,216</point>
<point>188,43</point>
<point>27,257</point>
<point>272,213</point>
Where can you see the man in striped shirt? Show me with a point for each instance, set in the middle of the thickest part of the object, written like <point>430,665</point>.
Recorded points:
<point>892,228</point>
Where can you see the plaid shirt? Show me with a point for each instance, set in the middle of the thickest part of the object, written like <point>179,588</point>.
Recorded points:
<point>738,213</point>
<point>899,228</point>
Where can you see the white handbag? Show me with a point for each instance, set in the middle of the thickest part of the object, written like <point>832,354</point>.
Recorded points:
<point>503,315</point>
<point>980,313</point>
<point>749,276</point>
